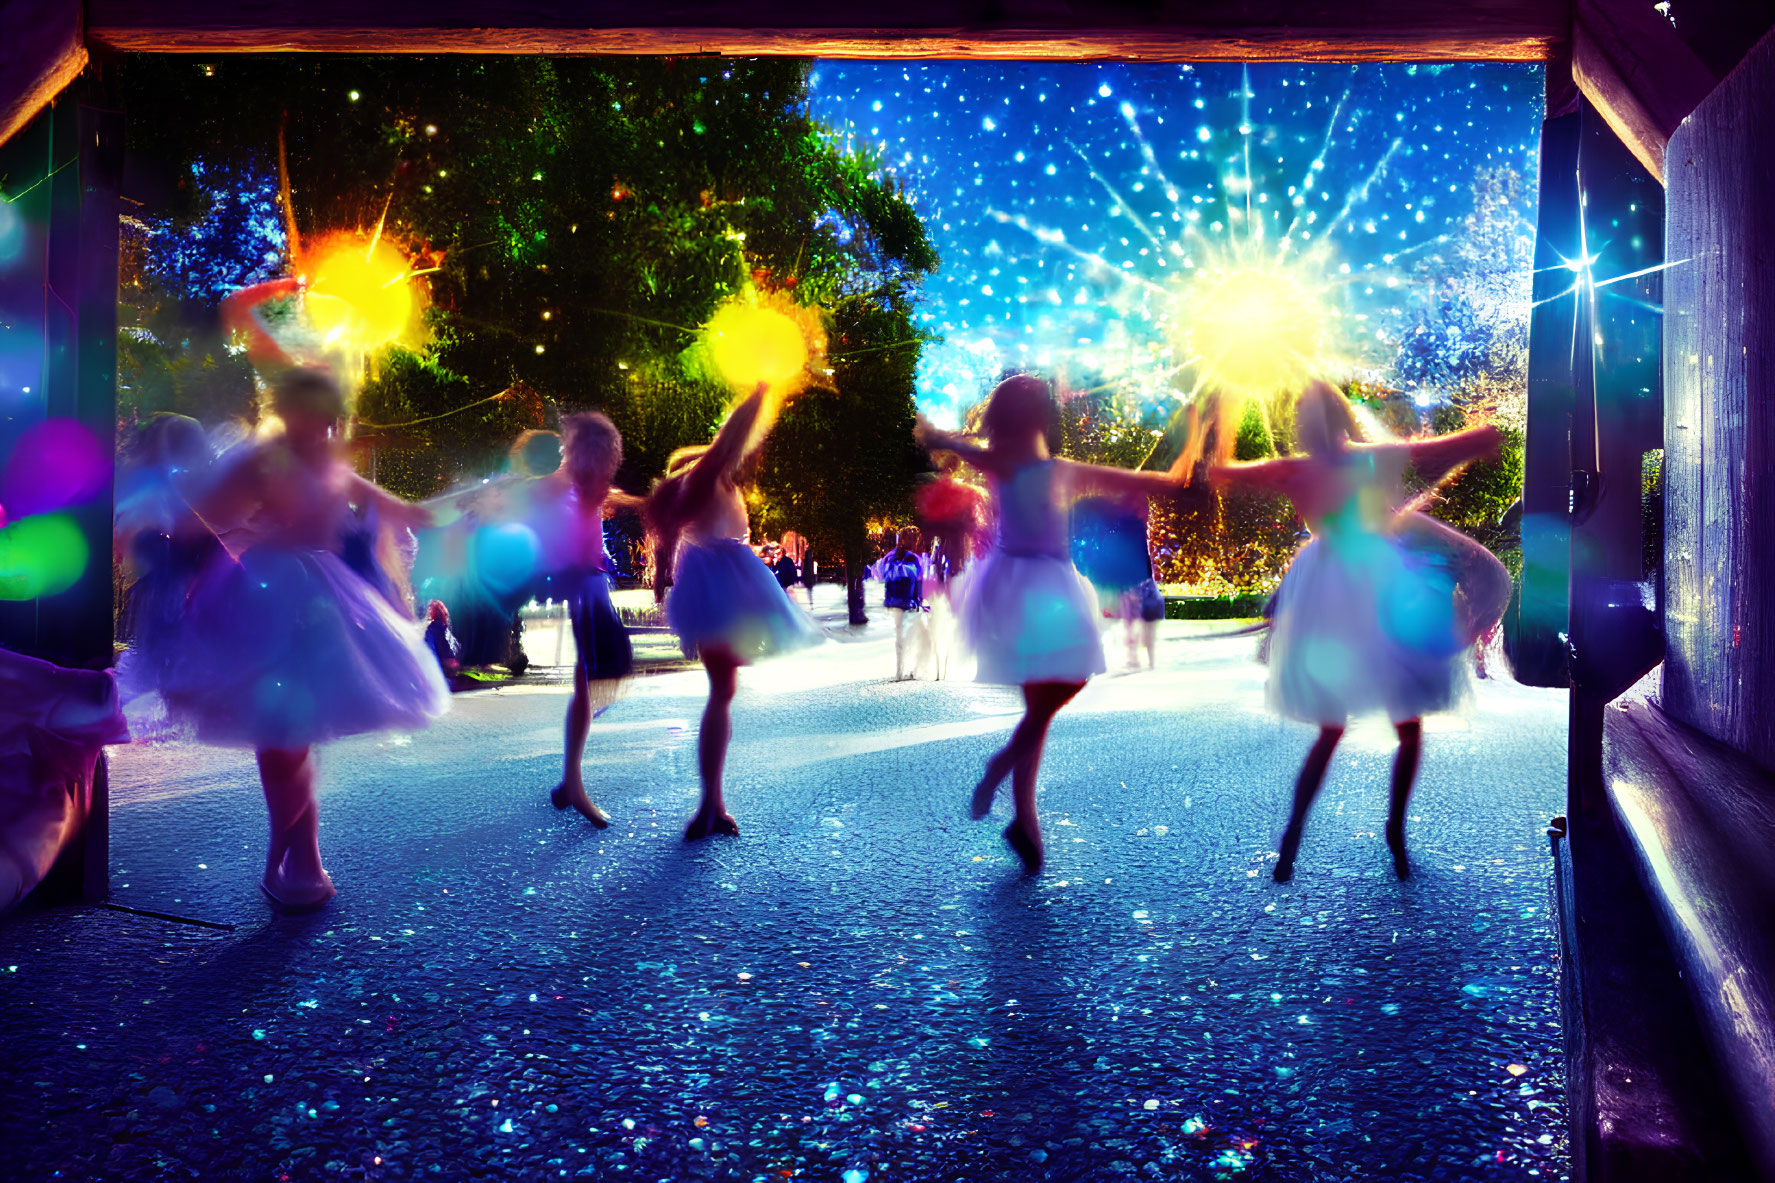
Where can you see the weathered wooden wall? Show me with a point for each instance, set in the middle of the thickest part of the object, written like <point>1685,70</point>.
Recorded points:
<point>1719,390</point>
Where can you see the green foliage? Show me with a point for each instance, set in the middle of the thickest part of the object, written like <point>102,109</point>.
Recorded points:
<point>1477,498</point>
<point>1651,502</point>
<point>1101,426</point>
<point>1254,441</point>
<point>1223,543</point>
<point>1227,607</point>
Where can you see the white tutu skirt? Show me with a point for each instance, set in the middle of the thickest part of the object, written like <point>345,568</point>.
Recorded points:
<point>723,594</point>
<point>287,648</point>
<point>1363,625</point>
<point>1030,618</point>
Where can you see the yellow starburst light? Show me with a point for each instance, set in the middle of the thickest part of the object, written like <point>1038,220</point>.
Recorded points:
<point>765,337</point>
<point>360,297</point>
<point>1254,328</point>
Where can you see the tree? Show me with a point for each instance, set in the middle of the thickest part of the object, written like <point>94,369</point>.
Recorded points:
<point>1469,351</point>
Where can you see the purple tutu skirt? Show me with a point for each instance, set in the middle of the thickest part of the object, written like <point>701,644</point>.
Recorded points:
<point>285,648</point>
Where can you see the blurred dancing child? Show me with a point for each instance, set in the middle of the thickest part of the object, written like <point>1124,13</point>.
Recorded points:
<point>725,605</point>
<point>160,540</point>
<point>567,510</point>
<point>1026,612</point>
<point>283,645</point>
<point>955,515</point>
<point>1368,617</point>
<point>1110,548</point>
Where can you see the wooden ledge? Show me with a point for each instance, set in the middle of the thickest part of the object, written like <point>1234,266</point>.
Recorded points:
<point>1701,821</point>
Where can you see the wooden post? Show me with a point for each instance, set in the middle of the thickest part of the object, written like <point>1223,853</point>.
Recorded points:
<point>1616,419</point>
<point>1639,75</point>
<point>1719,385</point>
<point>1536,625</point>
<point>75,151</point>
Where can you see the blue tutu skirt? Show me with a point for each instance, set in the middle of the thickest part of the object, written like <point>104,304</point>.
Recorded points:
<point>285,648</point>
<point>1364,625</point>
<point>722,593</point>
<point>1030,618</point>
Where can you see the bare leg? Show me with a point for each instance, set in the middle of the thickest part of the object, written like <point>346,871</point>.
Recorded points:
<point>294,878</point>
<point>1149,633</point>
<point>1306,788</point>
<point>1021,759</point>
<point>900,626</point>
<point>572,789</point>
<point>1130,610</point>
<point>942,633</point>
<point>712,817</point>
<point>1405,771</point>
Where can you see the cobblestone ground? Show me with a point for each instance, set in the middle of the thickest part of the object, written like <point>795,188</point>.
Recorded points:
<point>861,987</point>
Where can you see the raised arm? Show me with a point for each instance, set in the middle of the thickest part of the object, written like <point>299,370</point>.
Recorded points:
<point>390,509</point>
<point>1436,458</point>
<point>616,501</point>
<point>240,312</point>
<point>1105,480</point>
<point>934,439</point>
<point>726,450</point>
<point>1272,476</point>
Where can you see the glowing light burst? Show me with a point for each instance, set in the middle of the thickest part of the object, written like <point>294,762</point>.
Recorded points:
<point>1231,279</point>
<point>1252,327</point>
<point>765,337</point>
<point>1248,303</point>
<point>361,297</point>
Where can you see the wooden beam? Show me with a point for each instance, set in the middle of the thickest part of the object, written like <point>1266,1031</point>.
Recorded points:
<point>1638,73</point>
<point>40,53</point>
<point>1175,30</point>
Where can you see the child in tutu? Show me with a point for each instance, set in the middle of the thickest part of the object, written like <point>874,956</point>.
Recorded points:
<point>159,538</point>
<point>725,605</point>
<point>1029,616</point>
<point>283,645</point>
<point>1368,617</point>
<point>567,509</point>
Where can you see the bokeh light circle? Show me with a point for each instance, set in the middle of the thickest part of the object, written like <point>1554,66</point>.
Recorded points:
<point>56,464</point>
<point>40,556</point>
<point>505,557</point>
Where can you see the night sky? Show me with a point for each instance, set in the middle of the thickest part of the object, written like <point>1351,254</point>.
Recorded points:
<point>1069,201</point>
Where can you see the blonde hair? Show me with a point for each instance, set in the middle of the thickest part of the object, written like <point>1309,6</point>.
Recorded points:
<point>1321,416</point>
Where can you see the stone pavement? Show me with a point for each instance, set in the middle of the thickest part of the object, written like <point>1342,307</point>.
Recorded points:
<point>860,987</point>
